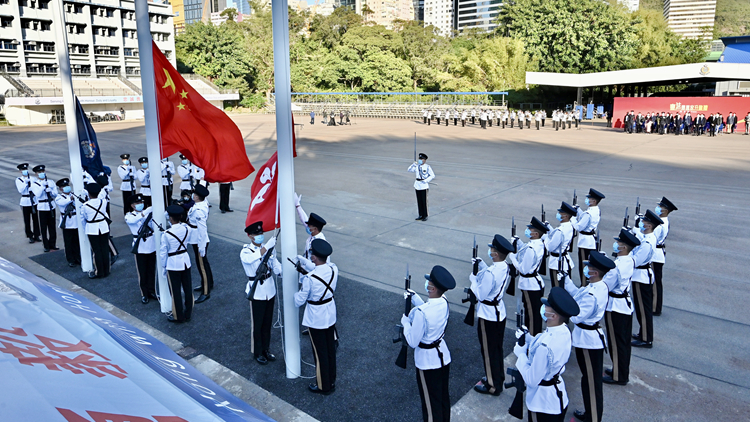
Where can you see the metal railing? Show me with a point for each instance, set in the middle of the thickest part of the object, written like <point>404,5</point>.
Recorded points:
<point>55,92</point>
<point>19,86</point>
<point>196,77</point>
<point>129,84</point>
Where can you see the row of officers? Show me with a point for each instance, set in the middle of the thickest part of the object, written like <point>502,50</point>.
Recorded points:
<point>486,117</point>
<point>600,310</point>
<point>683,123</point>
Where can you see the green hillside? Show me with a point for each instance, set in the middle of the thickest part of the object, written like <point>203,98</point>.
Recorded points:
<point>732,16</point>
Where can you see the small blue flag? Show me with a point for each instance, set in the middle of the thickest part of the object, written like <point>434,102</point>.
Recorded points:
<point>91,158</point>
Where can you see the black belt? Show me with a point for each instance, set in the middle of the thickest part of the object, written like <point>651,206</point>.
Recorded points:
<point>127,180</point>
<point>662,246</point>
<point>186,180</point>
<point>320,302</point>
<point>644,267</point>
<point>553,383</point>
<point>434,345</point>
<point>94,221</point>
<point>192,226</point>
<point>591,233</point>
<point>26,196</point>
<point>177,253</point>
<point>490,302</point>
<point>135,236</point>
<point>557,255</point>
<point>594,328</point>
<point>622,295</point>
<point>534,274</point>
<point>145,186</point>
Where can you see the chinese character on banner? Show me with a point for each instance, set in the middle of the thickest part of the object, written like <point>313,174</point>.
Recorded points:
<point>671,106</point>
<point>57,355</point>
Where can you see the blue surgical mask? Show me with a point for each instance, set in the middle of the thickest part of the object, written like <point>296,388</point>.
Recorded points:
<point>126,162</point>
<point>144,165</point>
<point>42,175</point>
<point>25,172</point>
<point>586,271</point>
<point>259,238</point>
<point>489,253</point>
<point>641,226</point>
<point>527,232</point>
<point>587,202</point>
<point>307,229</point>
<point>558,217</point>
<point>657,210</point>
<point>139,207</point>
<point>542,310</point>
<point>66,189</point>
<point>616,247</point>
<point>184,162</point>
<point>420,162</point>
<point>427,286</point>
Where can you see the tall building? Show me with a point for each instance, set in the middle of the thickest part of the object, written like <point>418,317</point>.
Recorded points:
<point>194,9</point>
<point>178,7</point>
<point>478,14</point>
<point>691,18</point>
<point>418,10</point>
<point>632,5</point>
<point>439,13</point>
<point>384,12</point>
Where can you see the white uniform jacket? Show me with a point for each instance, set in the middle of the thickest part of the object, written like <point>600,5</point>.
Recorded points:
<point>489,286</point>
<point>173,249</point>
<point>167,173</point>
<point>527,261</point>
<point>320,312</point>
<point>126,173</point>
<point>94,216</point>
<point>592,301</point>
<point>642,255</point>
<point>23,184</point>
<point>661,232</point>
<point>198,222</point>
<point>251,257</point>
<point>586,224</point>
<point>426,326</point>
<point>144,177</point>
<point>135,220</point>
<point>618,283</point>
<point>424,175</point>
<point>45,192</point>
<point>62,200</point>
<point>557,242</point>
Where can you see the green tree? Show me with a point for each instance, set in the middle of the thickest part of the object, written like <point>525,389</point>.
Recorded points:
<point>423,49</point>
<point>328,30</point>
<point>658,45</point>
<point>230,14</point>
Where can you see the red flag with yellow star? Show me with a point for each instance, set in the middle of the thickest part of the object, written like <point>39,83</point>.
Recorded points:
<point>191,125</point>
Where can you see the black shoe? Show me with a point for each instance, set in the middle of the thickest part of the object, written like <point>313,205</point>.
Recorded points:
<point>261,359</point>
<point>92,274</point>
<point>202,298</point>
<point>609,380</point>
<point>37,239</point>
<point>46,249</point>
<point>608,371</point>
<point>144,300</point>
<point>636,337</point>
<point>198,289</point>
<point>424,219</point>
<point>644,344</point>
<point>72,264</point>
<point>153,296</point>
<point>113,259</point>
<point>224,212</point>
<point>580,415</point>
<point>270,356</point>
<point>418,218</point>
<point>481,388</point>
<point>170,318</point>
<point>229,210</point>
<point>306,332</point>
<point>31,240</point>
<point>657,313</point>
<point>54,248</point>
<point>314,388</point>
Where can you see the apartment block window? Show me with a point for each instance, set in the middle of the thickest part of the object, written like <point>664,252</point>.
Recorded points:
<point>78,8</point>
<point>130,52</point>
<point>8,45</point>
<point>4,1</point>
<point>132,71</point>
<point>44,5</point>
<point>25,24</point>
<point>6,22</point>
<point>48,47</point>
<point>110,13</point>
<point>46,26</point>
<point>30,46</point>
<point>111,32</point>
<point>80,29</point>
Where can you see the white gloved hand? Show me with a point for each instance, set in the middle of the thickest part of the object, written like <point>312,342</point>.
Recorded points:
<point>270,244</point>
<point>519,332</point>
<point>297,198</point>
<point>202,251</point>
<point>520,350</point>
<point>405,320</point>
<point>305,263</point>
<point>472,277</point>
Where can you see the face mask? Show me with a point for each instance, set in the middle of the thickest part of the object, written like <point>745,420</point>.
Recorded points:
<point>489,253</point>
<point>42,175</point>
<point>186,198</point>
<point>427,286</point>
<point>421,162</point>
<point>25,172</point>
<point>587,202</point>
<point>144,165</point>
<point>125,162</point>
<point>307,229</point>
<point>184,162</point>
<point>541,311</point>
<point>641,226</point>
<point>66,189</point>
<point>259,239</point>
<point>139,207</point>
<point>586,271</point>
<point>616,247</point>
<point>527,232</point>
<point>558,217</point>
<point>657,210</point>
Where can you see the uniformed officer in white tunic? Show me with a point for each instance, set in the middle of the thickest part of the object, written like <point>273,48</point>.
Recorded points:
<point>45,192</point>
<point>663,209</point>
<point>489,286</point>
<point>317,289</point>
<point>197,220</point>
<point>424,330</point>
<point>557,242</point>
<point>175,260</point>
<point>127,173</point>
<point>68,222</point>
<point>190,174</point>
<point>145,255</point>
<point>144,178</point>
<point>264,296</point>
<point>95,219</point>
<point>528,261</point>
<point>313,225</point>
<point>586,224</point>
<point>619,314</point>
<point>424,176</point>
<point>542,359</point>
<point>167,179</point>
<point>28,204</point>
<point>643,279</point>
<point>588,336</point>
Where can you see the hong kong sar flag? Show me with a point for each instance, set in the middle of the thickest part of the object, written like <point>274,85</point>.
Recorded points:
<point>263,193</point>
<point>191,125</point>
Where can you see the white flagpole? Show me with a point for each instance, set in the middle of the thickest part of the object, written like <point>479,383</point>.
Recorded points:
<point>285,192</point>
<point>71,126</point>
<point>153,145</point>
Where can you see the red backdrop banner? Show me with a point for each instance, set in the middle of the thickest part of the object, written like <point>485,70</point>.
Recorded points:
<point>681,105</point>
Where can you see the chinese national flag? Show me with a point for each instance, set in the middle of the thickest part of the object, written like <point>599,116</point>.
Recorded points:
<point>191,125</point>
<point>263,194</point>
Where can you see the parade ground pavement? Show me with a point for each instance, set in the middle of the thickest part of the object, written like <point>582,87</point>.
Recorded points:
<point>355,177</point>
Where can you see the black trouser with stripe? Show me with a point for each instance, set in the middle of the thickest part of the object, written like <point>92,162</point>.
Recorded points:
<point>324,348</point>
<point>591,363</point>
<point>30,217</point>
<point>433,391</point>
<point>491,335</point>
<point>72,245</point>
<point>261,320</point>
<point>100,249</point>
<point>583,255</point>
<point>48,228</point>
<point>145,264</point>
<point>658,287</point>
<point>532,302</point>
<point>619,329</point>
<point>224,189</point>
<point>545,417</point>
<point>146,201</point>
<point>643,295</point>
<point>179,285</point>
<point>422,202</point>
<point>168,190</point>
<point>112,248</point>
<point>204,270</point>
<point>126,194</point>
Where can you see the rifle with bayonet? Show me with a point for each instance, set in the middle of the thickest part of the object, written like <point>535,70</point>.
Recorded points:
<point>69,211</point>
<point>516,408</point>
<point>401,359</point>
<point>262,271</point>
<point>511,289</point>
<point>626,220</point>
<point>31,195</point>
<point>143,232</point>
<point>544,215</point>
<point>470,296</point>
<point>543,266</point>
<point>598,240</point>
<point>575,232</point>
<point>637,206</point>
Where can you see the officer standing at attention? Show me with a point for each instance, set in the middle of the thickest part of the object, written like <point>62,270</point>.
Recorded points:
<point>643,277</point>
<point>542,359</point>
<point>197,219</point>
<point>28,204</point>
<point>190,174</point>
<point>663,208</point>
<point>586,224</point>
<point>127,174</point>
<point>264,297</point>
<point>68,222</point>
<point>424,329</point>
<point>318,285</point>
<point>145,255</point>
<point>167,179</point>
<point>588,336</point>
<point>144,177</point>
<point>424,175</point>
<point>619,314</point>
<point>95,219</point>
<point>557,243</point>
<point>528,260</point>
<point>488,286</point>
<point>176,264</point>
<point>45,192</point>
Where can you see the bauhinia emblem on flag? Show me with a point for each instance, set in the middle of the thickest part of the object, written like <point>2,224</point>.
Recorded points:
<point>263,193</point>
<point>191,125</point>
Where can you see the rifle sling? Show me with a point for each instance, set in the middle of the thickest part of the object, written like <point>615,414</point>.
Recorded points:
<point>98,213</point>
<point>322,301</point>
<point>180,249</point>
